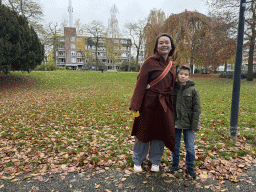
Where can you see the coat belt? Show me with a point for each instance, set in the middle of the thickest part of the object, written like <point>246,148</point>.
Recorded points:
<point>163,99</point>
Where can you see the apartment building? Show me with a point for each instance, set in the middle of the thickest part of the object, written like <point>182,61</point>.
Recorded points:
<point>68,53</point>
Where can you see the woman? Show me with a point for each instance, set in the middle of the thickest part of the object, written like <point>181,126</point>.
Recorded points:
<point>155,125</point>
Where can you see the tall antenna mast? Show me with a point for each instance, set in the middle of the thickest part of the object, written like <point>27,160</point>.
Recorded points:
<point>70,11</point>
<point>113,22</point>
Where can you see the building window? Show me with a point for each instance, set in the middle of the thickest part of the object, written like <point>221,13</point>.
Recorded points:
<point>123,41</point>
<point>73,60</point>
<point>72,39</point>
<point>79,60</point>
<point>73,53</point>
<point>62,60</point>
<point>124,55</point>
<point>60,53</point>
<point>73,46</point>
<point>61,46</point>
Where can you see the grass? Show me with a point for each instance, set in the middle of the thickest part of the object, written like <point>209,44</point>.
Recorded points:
<point>72,117</point>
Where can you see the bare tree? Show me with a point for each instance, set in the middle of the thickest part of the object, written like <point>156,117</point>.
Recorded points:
<point>28,8</point>
<point>136,32</point>
<point>228,10</point>
<point>97,32</point>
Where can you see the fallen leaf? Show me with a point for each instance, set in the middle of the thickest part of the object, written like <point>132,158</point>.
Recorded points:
<point>207,186</point>
<point>97,186</point>
<point>241,165</point>
<point>128,172</point>
<point>145,181</point>
<point>167,181</point>
<point>203,175</point>
<point>35,188</point>
<point>249,182</point>
<point>198,186</point>
<point>131,187</point>
<point>1,186</point>
<point>123,179</point>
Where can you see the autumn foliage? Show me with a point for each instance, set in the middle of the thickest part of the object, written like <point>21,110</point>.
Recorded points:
<point>200,40</point>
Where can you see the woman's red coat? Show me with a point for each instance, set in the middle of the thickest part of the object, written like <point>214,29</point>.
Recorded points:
<point>156,120</point>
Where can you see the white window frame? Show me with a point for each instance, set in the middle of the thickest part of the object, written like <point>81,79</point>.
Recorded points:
<point>73,60</point>
<point>73,46</point>
<point>73,53</point>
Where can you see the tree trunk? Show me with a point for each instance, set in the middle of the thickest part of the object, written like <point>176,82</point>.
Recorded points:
<point>251,51</point>
<point>137,56</point>
<point>137,59</point>
<point>97,41</point>
<point>250,62</point>
<point>21,8</point>
<point>225,66</point>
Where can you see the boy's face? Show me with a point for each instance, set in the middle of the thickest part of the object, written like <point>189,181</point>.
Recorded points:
<point>183,76</point>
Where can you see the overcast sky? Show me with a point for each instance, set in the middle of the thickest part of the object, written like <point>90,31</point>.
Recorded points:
<point>129,10</point>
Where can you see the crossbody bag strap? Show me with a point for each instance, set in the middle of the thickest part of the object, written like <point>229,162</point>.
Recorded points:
<point>158,79</point>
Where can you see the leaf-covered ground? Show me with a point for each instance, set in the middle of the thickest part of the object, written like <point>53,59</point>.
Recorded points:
<point>66,121</point>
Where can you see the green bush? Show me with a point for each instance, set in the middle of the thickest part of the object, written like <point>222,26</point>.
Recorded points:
<point>50,66</point>
<point>230,74</point>
<point>197,71</point>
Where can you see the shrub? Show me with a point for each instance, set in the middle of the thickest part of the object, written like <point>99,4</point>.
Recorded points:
<point>230,74</point>
<point>50,66</point>
<point>197,71</point>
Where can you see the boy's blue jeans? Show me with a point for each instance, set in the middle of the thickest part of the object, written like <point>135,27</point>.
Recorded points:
<point>189,138</point>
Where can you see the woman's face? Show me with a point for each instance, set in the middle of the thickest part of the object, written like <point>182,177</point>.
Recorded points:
<point>164,45</point>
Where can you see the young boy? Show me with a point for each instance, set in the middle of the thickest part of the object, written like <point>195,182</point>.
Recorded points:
<point>187,118</point>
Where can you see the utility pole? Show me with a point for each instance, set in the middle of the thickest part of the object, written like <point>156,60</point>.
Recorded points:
<point>233,128</point>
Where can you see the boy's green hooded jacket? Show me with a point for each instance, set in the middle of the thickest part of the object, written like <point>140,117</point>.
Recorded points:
<point>187,106</point>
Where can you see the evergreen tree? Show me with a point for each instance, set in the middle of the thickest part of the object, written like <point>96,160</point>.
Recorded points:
<point>20,48</point>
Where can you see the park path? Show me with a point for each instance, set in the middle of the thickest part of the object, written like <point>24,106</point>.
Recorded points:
<point>117,180</point>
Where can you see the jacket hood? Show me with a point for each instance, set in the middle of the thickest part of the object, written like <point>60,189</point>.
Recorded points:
<point>188,84</point>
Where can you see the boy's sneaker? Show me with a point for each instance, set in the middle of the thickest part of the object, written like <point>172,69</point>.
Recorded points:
<point>155,168</point>
<point>191,172</point>
<point>174,168</point>
<point>137,168</point>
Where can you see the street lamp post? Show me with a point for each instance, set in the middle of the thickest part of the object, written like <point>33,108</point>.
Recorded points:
<point>237,73</point>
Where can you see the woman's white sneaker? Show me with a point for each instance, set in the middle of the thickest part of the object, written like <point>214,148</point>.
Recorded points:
<point>137,168</point>
<point>155,168</point>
